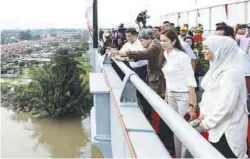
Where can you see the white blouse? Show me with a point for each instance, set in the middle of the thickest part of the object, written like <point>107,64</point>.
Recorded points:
<point>225,113</point>
<point>178,71</point>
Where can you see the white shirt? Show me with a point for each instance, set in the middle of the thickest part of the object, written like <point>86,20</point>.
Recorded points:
<point>178,71</point>
<point>225,113</point>
<point>243,41</point>
<point>244,61</point>
<point>136,46</point>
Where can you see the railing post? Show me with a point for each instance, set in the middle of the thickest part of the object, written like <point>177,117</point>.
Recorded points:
<point>101,114</point>
<point>128,96</point>
<point>245,12</point>
<point>210,19</point>
<point>196,17</point>
<point>91,53</point>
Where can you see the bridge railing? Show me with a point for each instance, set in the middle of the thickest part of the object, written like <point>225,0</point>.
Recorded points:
<point>191,139</point>
<point>118,129</point>
<point>121,125</point>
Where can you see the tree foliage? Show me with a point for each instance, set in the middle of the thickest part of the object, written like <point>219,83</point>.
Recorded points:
<point>202,63</point>
<point>61,87</point>
<point>25,35</point>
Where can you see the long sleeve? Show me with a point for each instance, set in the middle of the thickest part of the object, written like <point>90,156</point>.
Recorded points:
<point>227,103</point>
<point>151,52</point>
<point>185,63</point>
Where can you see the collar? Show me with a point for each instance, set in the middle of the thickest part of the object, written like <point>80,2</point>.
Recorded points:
<point>171,53</point>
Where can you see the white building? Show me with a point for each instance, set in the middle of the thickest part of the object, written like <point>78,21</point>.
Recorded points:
<point>211,12</point>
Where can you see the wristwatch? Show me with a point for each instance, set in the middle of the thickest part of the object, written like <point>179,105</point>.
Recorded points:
<point>191,105</point>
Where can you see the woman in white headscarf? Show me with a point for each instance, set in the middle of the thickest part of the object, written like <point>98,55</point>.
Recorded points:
<point>223,107</point>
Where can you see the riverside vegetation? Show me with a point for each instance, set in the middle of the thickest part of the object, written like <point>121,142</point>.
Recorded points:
<point>58,88</point>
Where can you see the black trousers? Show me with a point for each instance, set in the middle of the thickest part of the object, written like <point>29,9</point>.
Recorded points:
<point>167,137</point>
<point>147,109</point>
<point>165,133</point>
<point>223,147</point>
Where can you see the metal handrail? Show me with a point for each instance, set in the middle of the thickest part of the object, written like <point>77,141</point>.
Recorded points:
<point>207,7</point>
<point>126,136</point>
<point>189,137</point>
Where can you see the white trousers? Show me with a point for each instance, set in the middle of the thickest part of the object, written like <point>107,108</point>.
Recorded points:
<point>179,101</point>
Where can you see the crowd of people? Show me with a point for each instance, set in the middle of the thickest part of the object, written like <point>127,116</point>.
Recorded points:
<point>165,57</point>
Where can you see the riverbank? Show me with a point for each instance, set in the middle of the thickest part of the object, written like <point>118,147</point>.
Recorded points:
<point>25,137</point>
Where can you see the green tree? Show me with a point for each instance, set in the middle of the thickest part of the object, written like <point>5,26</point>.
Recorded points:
<point>59,88</point>
<point>53,34</point>
<point>2,40</point>
<point>202,63</point>
<point>77,36</point>
<point>81,48</point>
<point>25,35</point>
<point>37,37</point>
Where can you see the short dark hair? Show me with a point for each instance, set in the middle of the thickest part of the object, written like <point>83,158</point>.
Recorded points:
<point>166,22</point>
<point>228,30</point>
<point>243,26</point>
<point>220,23</point>
<point>156,27</point>
<point>132,31</point>
<point>172,24</point>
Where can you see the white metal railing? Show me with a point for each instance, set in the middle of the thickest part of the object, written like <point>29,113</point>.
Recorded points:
<point>191,139</point>
<point>238,13</point>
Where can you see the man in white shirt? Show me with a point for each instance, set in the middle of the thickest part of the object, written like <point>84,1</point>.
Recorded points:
<point>244,39</point>
<point>134,44</point>
<point>140,67</point>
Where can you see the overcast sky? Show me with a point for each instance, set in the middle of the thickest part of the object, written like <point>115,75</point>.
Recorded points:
<point>71,13</point>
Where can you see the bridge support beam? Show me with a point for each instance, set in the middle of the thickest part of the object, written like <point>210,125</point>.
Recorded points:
<point>100,114</point>
<point>128,96</point>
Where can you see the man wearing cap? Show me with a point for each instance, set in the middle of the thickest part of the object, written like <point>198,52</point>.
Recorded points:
<point>190,32</point>
<point>183,32</point>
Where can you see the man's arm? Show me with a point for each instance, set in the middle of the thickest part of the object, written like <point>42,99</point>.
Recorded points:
<point>151,52</point>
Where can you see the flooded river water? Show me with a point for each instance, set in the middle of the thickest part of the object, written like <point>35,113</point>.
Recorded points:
<point>25,137</point>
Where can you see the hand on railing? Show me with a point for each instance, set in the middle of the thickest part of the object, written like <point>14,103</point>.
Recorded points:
<point>196,124</point>
<point>112,52</point>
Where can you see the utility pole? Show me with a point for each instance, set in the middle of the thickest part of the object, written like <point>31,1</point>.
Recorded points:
<point>95,24</point>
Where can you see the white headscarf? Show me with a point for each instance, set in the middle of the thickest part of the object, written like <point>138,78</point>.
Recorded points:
<point>225,56</point>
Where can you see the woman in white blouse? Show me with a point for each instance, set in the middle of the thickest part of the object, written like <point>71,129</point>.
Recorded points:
<point>223,107</point>
<point>180,80</point>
